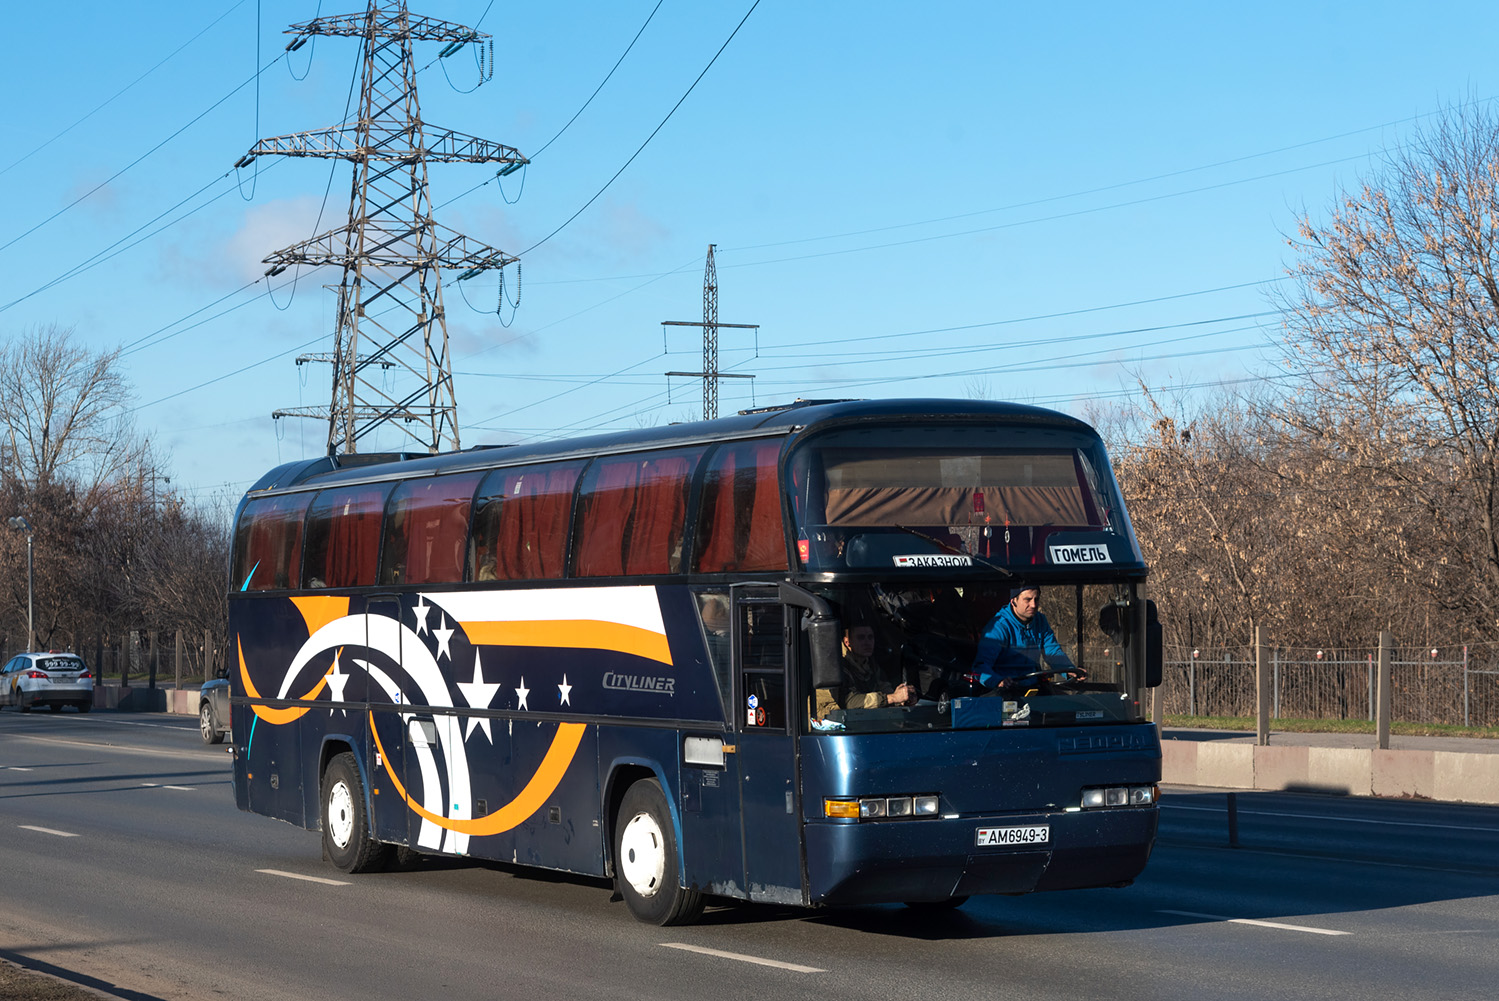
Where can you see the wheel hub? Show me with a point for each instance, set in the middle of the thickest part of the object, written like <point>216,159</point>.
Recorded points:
<point>642,855</point>
<point>340,814</point>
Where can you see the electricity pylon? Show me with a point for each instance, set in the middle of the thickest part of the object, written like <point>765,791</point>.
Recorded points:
<point>390,347</point>
<point>710,325</point>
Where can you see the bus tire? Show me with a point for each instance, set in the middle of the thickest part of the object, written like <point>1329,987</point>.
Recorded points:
<point>645,859</point>
<point>347,839</point>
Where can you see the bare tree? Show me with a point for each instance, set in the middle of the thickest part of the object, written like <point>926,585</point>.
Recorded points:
<point>1394,317</point>
<point>62,410</point>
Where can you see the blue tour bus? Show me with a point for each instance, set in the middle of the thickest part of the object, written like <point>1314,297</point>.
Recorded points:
<point>604,656</point>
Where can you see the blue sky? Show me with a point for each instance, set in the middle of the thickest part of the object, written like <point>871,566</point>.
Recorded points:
<point>1029,202</point>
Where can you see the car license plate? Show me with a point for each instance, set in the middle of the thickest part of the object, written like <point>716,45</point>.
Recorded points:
<point>998,837</point>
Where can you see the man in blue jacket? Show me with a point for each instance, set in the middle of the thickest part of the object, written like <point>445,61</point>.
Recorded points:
<point>1016,639</point>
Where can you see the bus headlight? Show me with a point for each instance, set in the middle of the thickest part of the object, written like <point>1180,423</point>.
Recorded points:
<point>882,807</point>
<point>1102,796</point>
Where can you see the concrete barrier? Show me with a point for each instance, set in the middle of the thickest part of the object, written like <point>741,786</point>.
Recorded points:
<point>1448,776</point>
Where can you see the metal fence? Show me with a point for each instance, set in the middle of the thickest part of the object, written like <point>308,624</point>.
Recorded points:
<point>154,658</point>
<point>1447,686</point>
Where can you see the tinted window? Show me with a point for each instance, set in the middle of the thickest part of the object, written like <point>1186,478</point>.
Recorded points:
<point>343,537</point>
<point>739,520</point>
<point>268,543</point>
<point>425,530</point>
<point>631,513</point>
<point>520,525</point>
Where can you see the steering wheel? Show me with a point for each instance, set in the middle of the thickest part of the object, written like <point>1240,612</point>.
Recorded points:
<point>1076,673</point>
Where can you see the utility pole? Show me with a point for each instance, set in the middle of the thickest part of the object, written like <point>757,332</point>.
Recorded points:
<point>390,346</point>
<point>710,325</point>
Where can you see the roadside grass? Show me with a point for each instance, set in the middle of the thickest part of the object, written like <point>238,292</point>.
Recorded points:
<point>1331,726</point>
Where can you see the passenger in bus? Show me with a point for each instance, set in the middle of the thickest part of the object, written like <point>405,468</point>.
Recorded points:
<point>1018,641</point>
<point>864,685</point>
<point>485,563</point>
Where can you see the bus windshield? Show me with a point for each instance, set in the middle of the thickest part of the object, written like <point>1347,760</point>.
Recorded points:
<point>924,496</point>
<point>921,656</point>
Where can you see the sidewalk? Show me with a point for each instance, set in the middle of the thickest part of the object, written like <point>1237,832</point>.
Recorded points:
<point>1450,769</point>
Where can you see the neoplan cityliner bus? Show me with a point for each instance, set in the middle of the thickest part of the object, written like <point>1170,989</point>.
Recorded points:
<point>600,656</point>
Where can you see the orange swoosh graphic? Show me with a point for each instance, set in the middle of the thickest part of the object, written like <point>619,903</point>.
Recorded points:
<point>530,799</point>
<point>578,634</point>
<point>274,716</point>
<point>317,611</point>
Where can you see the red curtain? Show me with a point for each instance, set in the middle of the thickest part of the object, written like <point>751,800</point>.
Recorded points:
<point>270,553</point>
<point>343,537</point>
<point>524,519</point>
<point>631,514</point>
<point>739,526</point>
<point>425,532</point>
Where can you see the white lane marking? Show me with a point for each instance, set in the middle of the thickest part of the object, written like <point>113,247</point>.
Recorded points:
<point>309,879</point>
<point>1252,921</point>
<point>15,768</point>
<point>158,785</point>
<point>1340,820</point>
<point>759,961</point>
<point>46,830</point>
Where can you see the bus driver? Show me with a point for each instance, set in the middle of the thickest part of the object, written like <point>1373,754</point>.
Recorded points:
<point>1016,640</point>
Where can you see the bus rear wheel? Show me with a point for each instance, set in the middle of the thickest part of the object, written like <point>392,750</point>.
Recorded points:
<point>348,841</point>
<point>645,859</point>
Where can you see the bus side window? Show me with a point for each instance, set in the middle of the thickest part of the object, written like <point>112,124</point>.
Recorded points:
<point>632,513</point>
<point>739,524</point>
<point>268,543</point>
<point>763,666</point>
<point>425,526</point>
<point>343,537</point>
<point>520,530</point>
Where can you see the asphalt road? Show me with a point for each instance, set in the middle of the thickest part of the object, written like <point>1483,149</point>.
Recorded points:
<point>124,865</point>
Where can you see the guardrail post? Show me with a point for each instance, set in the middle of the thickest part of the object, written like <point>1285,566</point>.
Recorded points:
<point>1275,683</point>
<point>1261,688</point>
<point>1370,658</point>
<point>1382,717</point>
<point>1192,687</point>
<point>1465,687</point>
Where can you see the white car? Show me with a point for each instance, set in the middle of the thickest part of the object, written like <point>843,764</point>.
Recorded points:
<point>47,679</point>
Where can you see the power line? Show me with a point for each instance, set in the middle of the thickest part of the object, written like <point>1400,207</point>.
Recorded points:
<point>648,138</point>
<point>117,94</point>
<point>191,122</point>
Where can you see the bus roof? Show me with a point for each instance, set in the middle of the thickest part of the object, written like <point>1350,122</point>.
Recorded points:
<point>802,415</point>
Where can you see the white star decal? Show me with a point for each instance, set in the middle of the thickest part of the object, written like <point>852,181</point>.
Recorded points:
<point>522,692</point>
<point>443,635</point>
<point>420,610</point>
<point>564,690</point>
<point>479,694</point>
<point>336,682</point>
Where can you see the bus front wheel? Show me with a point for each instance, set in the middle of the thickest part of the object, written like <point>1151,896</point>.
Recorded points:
<point>347,839</point>
<point>645,859</point>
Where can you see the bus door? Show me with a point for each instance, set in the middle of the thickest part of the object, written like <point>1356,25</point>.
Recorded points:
<point>380,690</point>
<point>765,727</point>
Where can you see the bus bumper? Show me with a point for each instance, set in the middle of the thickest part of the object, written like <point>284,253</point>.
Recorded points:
<point>867,862</point>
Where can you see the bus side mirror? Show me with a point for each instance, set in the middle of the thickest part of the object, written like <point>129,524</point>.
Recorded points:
<point>1155,655</point>
<point>824,633</point>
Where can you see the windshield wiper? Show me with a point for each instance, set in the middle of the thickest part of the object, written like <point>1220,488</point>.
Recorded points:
<point>954,549</point>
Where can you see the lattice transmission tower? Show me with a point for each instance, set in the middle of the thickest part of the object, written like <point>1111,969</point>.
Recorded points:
<point>710,325</point>
<point>390,347</point>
